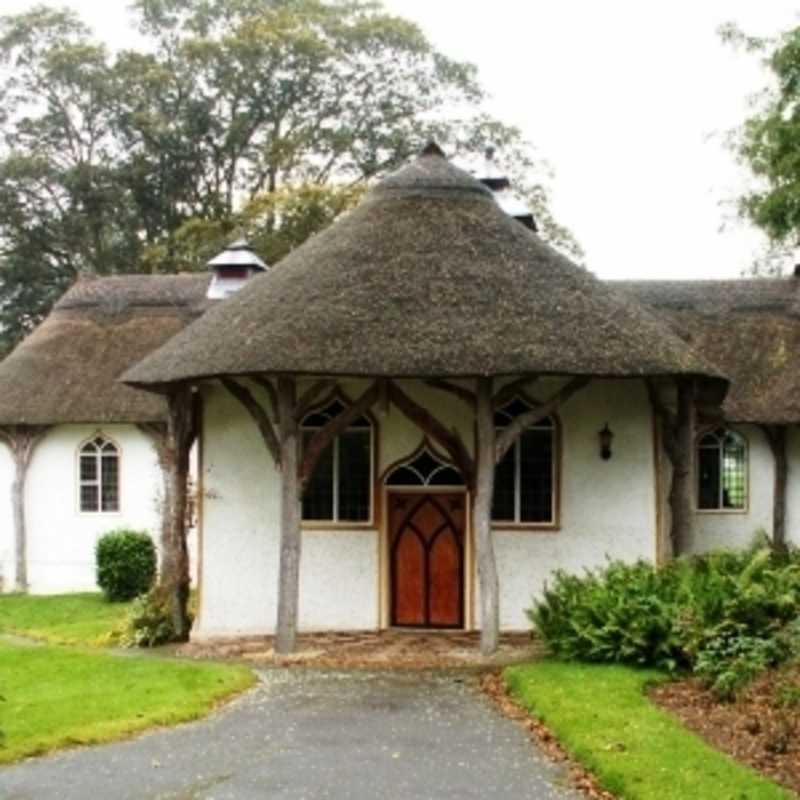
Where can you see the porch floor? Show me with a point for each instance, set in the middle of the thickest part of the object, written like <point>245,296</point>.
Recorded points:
<point>391,649</point>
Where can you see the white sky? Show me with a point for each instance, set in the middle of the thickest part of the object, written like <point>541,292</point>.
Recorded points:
<point>629,100</point>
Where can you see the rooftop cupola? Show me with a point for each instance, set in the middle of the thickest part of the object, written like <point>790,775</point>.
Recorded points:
<point>495,179</point>
<point>232,268</point>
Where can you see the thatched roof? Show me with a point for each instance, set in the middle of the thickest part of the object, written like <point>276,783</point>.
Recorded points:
<point>67,369</point>
<point>426,277</point>
<point>750,329</point>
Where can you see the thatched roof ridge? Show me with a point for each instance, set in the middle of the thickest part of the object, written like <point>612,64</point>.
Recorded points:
<point>749,328</point>
<point>66,371</point>
<point>426,277</point>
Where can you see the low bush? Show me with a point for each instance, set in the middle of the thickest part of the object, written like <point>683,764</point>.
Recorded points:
<point>149,622</point>
<point>727,616</point>
<point>126,564</point>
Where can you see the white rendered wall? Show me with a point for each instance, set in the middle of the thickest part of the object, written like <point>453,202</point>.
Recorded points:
<point>793,488</point>
<point>607,511</point>
<point>7,562</point>
<point>720,529</point>
<point>607,507</point>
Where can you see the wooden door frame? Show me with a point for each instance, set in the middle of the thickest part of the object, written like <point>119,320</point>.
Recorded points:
<point>468,564</point>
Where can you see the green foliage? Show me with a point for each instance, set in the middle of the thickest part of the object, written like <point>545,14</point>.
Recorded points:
<point>726,615</point>
<point>149,622</point>
<point>57,697</point>
<point>230,115</point>
<point>603,717</point>
<point>126,564</point>
<point>769,143</point>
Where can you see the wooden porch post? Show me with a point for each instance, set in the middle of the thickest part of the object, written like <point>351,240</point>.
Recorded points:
<point>291,538</point>
<point>777,436</point>
<point>22,441</point>
<point>681,492</point>
<point>481,517</point>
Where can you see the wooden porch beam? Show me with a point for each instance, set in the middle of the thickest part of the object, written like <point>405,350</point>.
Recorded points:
<point>508,392</point>
<point>258,414</point>
<point>460,392</point>
<point>777,436</point>
<point>311,396</point>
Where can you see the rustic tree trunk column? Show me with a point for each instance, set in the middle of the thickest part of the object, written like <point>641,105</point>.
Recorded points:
<point>681,491</point>
<point>777,436</point>
<point>289,576</point>
<point>174,578</point>
<point>22,441</point>
<point>482,517</point>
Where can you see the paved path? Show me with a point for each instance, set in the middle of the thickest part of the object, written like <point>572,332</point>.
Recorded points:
<point>313,735</point>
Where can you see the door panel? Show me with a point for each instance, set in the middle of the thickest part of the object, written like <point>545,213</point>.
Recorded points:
<point>426,537</point>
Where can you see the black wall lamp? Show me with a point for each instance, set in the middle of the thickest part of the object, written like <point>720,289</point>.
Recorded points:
<point>606,436</point>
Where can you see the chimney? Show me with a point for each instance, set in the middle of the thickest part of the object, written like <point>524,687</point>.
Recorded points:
<point>232,268</point>
<point>494,179</point>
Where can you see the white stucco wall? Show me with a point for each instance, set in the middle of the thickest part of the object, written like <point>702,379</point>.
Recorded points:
<point>7,571</point>
<point>793,488</point>
<point>61,539</point>
<point>607,507</point>
<point>720,529</point>
<point>607,511</point>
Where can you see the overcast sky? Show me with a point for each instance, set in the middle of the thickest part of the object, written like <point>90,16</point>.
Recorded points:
<point>629,100</point>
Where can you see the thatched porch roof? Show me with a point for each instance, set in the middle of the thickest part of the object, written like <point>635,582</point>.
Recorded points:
<point>750,329</point>
<point>66,371</point>
<point>426,277</point>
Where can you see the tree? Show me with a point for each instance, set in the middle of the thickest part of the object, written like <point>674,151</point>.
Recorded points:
<point>263,115</point>
<point>768,143</point>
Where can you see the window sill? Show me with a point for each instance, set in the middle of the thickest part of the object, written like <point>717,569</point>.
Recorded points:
<point>540,527</point>
<point>725,511</point>
<point>337,526</point>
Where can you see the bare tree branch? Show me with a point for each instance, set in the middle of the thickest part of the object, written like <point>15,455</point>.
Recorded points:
<point>323,437</point>
<point>451,388</point>
<point>260,417</point>
<point>508,392</point>
<point>311,395</point>
<point>449,439</point>
<point>510,434</point>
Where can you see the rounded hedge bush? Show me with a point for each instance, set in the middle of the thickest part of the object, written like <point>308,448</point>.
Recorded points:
<point>126,564</point>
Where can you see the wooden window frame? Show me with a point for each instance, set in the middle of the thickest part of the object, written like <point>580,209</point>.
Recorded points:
<point>745,509</point>
<point>516,524</point>
<point>98,482</point>
<point>335,523</point>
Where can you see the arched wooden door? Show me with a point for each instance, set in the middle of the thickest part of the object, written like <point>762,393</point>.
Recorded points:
<point>426,540</point>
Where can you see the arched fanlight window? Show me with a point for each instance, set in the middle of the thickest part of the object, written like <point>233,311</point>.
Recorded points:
<point>424,468</point>
<point>721,470</point>
<point>98,476</point>
<point>341,488</point>
<point>524,481</point>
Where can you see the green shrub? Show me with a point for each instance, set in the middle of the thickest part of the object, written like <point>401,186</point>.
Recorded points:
<point>126,564</point>
<point>149,622</point>
<point>727,616</point>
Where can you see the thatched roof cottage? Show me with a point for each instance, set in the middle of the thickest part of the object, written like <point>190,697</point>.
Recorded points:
<point>421,412</point>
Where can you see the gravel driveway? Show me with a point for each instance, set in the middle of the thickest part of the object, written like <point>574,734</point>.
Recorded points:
<point>313,734</point>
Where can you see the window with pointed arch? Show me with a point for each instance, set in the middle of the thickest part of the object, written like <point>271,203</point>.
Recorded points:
<point>341,488</point>
<point>525,480</point>
<point>721,470</point>
<point>98,476</point>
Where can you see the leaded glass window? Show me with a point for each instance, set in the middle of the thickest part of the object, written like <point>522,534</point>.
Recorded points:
<point>98,476</point>
<point>524,480</point>
<point>340,489</point>
<point>424,469</point>
<point>721,471</point>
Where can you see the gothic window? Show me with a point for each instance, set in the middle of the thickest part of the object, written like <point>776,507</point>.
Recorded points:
<point>721,471</point>
<point>341,488</point>
<point>98,476</point>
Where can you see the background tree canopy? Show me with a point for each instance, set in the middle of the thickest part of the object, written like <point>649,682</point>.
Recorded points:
<point>263,117</point>
<point>769,144</point>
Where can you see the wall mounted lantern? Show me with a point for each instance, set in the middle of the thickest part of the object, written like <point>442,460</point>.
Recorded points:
<point>606,437</point>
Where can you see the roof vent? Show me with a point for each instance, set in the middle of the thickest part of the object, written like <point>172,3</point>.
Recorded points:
<point>232,268</point>
<point>496,180</point>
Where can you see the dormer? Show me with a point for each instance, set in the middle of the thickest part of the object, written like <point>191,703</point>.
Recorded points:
<point>232,268</point>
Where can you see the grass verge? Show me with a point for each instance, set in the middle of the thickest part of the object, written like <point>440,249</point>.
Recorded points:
<point>602,717</point>
<point>84,618</point>
<point>52,697</point>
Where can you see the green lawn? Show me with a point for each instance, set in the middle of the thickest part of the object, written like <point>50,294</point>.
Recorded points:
<point>601,715</point>
<point>85,619</point>
<point>53,697</point>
